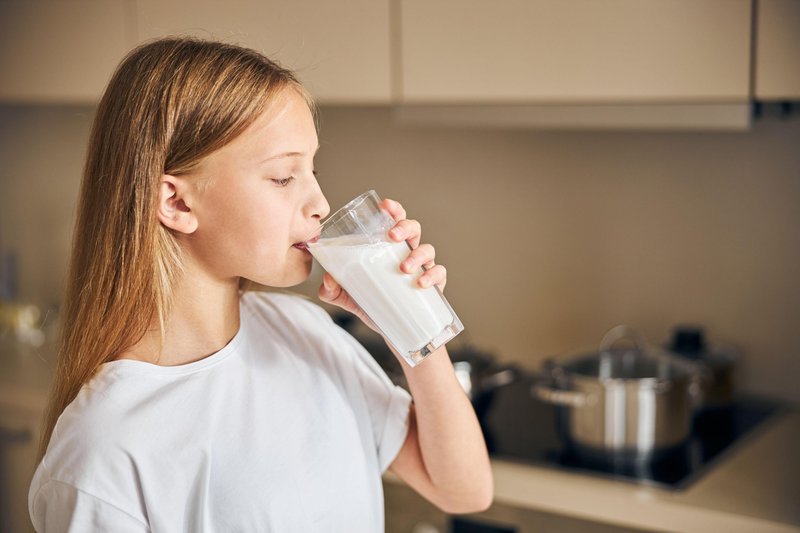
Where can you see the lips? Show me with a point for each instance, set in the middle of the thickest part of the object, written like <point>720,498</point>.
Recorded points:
<point>303,245</point>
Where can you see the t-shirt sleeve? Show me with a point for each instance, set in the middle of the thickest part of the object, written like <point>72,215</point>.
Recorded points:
<point>60,507</point>
<point>387,404</point>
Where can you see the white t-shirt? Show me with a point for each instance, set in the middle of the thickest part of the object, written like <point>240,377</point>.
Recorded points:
<point>287,428</point>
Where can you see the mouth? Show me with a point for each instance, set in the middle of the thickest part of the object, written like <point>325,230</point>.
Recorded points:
<point>304,244</point>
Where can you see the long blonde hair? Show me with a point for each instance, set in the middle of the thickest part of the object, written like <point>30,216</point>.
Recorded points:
<point>170,103</point>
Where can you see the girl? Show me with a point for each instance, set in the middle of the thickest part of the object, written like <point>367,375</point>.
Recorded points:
<point>180,402</point>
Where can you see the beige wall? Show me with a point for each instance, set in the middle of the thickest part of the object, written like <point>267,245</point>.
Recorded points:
<point>550,238</point>
<point>41,159</point>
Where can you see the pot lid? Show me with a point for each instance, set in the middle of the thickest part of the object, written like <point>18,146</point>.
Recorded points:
<point>637,361</point>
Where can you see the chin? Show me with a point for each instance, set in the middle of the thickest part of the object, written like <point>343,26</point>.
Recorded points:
<point>292,278</point>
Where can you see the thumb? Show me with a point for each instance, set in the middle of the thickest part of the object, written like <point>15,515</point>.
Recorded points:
<point>330,290</point>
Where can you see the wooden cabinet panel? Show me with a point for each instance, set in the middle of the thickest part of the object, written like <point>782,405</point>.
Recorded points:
<point>340,50</point>
<point>568,51</point>
<point>777,62</point>
<point>60,50</point>
<point>468,52</point>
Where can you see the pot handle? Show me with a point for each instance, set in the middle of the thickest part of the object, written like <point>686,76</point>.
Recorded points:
<point>568,398</point>
<point>622,332</point>
<point>504,376</point>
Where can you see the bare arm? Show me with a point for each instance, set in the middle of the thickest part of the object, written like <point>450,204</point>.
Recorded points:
<point>444,457</point>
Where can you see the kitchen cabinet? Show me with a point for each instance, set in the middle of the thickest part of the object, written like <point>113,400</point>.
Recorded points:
<point>60,50</point>
<point>574,51</point>
<point>17,462</point>
<point>579,58</point>
<point>340,50</point>
<point>777,61</point>
<point>25,376</point>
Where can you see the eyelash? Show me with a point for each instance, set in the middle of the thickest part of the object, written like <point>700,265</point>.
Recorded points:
<point>283,182</point>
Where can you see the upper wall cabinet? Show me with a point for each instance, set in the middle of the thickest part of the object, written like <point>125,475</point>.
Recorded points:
<point>60,51</point>
<point>340,50</point>
<point>777,64</point>
<point>574,51</point>
<point>642,55</point>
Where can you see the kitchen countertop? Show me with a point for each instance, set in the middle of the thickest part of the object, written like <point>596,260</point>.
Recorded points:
<point>754,487</point>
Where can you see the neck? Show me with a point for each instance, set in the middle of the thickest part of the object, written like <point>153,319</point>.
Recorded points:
<point>203,318</point>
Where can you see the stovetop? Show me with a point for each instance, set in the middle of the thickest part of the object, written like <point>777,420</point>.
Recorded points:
<point>520,428</point>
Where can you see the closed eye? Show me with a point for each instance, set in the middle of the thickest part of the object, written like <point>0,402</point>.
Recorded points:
<point>283,182</point>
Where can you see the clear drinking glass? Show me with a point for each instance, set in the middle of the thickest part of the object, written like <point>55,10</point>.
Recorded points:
<point>354,247</point>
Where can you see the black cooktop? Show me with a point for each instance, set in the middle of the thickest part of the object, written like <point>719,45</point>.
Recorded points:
<point>520,428</point>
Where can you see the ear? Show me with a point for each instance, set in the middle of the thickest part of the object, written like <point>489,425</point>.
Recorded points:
<point>173,205</point>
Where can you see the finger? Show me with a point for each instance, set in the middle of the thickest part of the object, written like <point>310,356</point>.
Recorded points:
<point>394,208</point>
<point>437,275</point>
<point>330,290</point>
<point>407,230</point>
<point>423,255</point>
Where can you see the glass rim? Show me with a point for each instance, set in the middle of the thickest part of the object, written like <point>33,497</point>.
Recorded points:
<point>342,211</point>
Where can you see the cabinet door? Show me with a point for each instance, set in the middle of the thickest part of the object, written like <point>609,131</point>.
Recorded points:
<point>569,51</point>
<point>340,50</point>
<point>60,51</point>
<point>777,64</point>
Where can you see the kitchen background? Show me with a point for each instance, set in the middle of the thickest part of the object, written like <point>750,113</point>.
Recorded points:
<point>550,238</point>
<point>553,229</point>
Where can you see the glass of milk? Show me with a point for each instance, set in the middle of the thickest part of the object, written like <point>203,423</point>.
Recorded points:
<point>354,247</point>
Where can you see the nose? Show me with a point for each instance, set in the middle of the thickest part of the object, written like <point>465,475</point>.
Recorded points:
<point>317,205</point>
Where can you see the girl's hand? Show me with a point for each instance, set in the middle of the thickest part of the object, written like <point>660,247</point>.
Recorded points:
<point>421,255</point>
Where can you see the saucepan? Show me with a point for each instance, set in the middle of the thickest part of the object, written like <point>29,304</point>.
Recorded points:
<point>629,400</point>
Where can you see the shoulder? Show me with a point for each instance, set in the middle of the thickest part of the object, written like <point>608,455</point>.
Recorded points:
<point>293,321</point>
<point>88,457</point>
<point>54,505</point>
<point>302,325</point>
<point>286,309</point>
<point>280,302</point>
<point>91,432</point>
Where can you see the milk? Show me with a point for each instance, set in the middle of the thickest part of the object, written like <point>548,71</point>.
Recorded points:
<point>409,317</point>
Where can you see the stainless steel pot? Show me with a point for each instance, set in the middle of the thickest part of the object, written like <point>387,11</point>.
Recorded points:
<point>623,402</point>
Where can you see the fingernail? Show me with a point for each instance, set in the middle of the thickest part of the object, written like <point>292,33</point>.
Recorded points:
<point>397,233</point>
<point>408,264</point>
<point>425,282</point>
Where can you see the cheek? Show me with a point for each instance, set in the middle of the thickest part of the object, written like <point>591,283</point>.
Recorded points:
<point>239,215</point>
<point>267,238</point>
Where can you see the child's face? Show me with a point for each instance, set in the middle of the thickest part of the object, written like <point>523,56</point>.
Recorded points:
<point>257,197</point>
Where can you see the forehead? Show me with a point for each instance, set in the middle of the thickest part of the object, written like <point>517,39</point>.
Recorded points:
<point>287,125</point>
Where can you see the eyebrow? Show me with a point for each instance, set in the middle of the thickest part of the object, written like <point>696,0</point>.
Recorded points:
<point>284,155</point>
